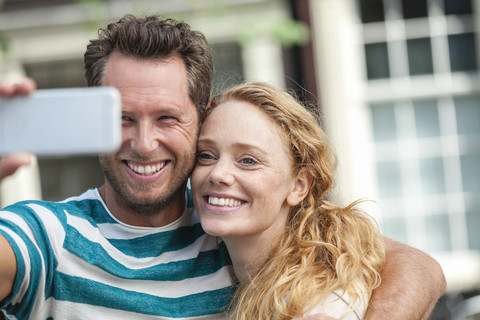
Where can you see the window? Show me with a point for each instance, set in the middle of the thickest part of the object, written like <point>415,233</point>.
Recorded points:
<point>410,36</point>
<point>427,160</point>
<point>467,113</point>
<point>463,56</point>
<point>426,118</point>
<point>372,10</point>
<point>419,56</point>
<point>473,221</point>
<point>414,9</point>
<point>432,175</point>
<point>423,97</point>
<point>438,230</point>
<point>377,60</point>
<point>458,6</point>
<point>389,179</point>
<point>384,122</point>
<point>470,172</point>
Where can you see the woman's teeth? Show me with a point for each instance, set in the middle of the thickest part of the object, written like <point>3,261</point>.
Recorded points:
<point>224,202</point>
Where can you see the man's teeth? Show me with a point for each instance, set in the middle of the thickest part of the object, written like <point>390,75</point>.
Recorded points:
<point>146,170</point>
<point>224,202</point>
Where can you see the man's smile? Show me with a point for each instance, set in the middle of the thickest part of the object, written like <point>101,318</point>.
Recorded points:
<point>146,169</point>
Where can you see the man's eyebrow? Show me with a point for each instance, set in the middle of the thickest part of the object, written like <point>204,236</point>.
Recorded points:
<point>172,109</point>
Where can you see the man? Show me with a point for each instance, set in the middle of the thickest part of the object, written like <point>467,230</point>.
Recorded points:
<point>134,248</point>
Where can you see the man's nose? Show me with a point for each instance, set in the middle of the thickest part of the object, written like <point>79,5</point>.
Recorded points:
<point>145,141</point>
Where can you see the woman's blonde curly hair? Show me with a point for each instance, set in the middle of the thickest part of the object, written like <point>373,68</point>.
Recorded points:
<point>324,247</point>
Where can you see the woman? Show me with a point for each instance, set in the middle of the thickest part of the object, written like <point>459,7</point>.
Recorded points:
<point>263,171</point>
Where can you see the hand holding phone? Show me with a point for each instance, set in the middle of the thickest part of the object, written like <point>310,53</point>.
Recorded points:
<point>61,121</point>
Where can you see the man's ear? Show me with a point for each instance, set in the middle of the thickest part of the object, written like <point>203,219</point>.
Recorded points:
<point>300,189</point>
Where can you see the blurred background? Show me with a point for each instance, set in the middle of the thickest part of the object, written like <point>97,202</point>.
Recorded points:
<point>396,81</point>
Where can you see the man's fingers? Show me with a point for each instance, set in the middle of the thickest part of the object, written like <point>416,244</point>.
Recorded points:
<point>10,163</point>
<point>26,86</point>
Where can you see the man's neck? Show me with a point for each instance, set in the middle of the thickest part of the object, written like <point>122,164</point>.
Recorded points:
<point>126,214</point>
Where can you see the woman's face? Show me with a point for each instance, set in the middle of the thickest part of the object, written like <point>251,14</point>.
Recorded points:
<point>243,176</point>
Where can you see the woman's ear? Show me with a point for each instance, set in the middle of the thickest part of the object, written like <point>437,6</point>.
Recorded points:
<point>300,189</point>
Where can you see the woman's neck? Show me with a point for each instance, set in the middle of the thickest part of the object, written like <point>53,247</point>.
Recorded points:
<point>248,252</point>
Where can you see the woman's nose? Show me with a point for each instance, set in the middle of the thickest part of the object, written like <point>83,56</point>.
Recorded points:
<point>222,173</point>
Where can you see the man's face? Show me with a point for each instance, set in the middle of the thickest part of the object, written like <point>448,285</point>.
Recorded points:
<point>159,131</point>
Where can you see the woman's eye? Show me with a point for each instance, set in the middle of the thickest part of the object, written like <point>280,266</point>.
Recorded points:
<point>204,157</point>
<point>248,161</point>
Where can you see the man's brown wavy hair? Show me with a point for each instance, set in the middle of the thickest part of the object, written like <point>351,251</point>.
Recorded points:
<point>151,37</point>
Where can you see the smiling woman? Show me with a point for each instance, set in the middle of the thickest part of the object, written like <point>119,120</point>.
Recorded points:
<point>263,170</point>
<point>242,167</point>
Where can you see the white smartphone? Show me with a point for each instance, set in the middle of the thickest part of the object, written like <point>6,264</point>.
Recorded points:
<point>61,121</point>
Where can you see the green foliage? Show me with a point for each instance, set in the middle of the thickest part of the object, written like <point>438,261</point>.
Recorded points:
<point>94,6</point>
<point>97,10</point>
<point>290,32</point>
<point>3,43</point>
<point>287,32</point>
<point>88,1</point>
<point>3,40</point>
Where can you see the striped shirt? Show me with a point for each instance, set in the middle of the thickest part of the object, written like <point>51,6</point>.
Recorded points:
<point>76,261</point>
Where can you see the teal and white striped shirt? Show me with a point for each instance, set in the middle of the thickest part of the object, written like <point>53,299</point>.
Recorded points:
<point>76,261</point>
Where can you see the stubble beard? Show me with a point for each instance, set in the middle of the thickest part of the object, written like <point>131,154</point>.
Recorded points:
<point>147,206</point>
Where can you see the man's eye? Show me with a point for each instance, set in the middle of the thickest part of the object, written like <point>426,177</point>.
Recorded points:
<point>167,118</point>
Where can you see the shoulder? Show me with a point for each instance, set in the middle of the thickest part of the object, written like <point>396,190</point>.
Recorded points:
<point>82,205</point>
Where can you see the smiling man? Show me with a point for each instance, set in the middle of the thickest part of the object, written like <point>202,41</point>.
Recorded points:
<point>146,178</point>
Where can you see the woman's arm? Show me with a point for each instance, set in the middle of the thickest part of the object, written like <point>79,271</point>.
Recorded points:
<point>412,283</point>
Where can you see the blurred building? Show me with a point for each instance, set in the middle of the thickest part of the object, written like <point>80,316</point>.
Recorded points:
<point>397,82</point>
